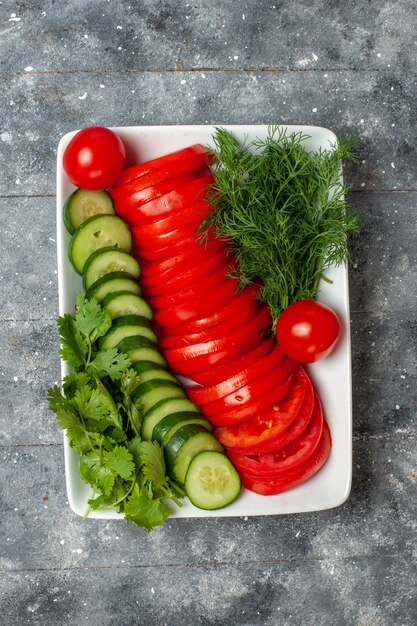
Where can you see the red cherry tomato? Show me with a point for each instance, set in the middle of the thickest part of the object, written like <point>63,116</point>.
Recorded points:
<point>307,331</point>
<point>94,158</point>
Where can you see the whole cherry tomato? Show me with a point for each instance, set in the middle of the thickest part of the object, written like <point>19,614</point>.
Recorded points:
<point>307,331</point>
<point>94,158</point>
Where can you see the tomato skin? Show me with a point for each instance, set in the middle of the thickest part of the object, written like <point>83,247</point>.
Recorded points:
<point>94,158</point>
<point>278,462</point>
<point>266,424</point>
<point>270,486</point>
<point>308,331</point>
<point>250,392</point>
<point>168,162</point>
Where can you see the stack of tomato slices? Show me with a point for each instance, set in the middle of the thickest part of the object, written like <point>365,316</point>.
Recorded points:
<point>219,339</point>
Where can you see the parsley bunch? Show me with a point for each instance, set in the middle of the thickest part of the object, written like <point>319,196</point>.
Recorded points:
<point>283,210</point>
<point>102,424</point>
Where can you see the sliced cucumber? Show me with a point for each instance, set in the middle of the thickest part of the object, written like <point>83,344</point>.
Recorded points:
<point>99,231</point>
<point>211,481</point>
<point>106,260</point>
<point>127,326</point>
<point>187,442</point>
<point>83,204</point>
<point>126,303</point>
<point>148,394</point>
<point>164,430</point>
<point>141,349</point>
<point>149,370</point>
<point>161,410</point>
<point>115,281</point>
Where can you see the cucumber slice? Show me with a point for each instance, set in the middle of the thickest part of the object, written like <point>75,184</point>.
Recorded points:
<point>126,303</point>
<point>148,394</point>
<point>161,410</point>
<point>107,260</point>
<point>212,481</point>
<point>187,442</point>
<point>127,326</point>
<point>141,349</point>
<point>115,281</point>
<point>164,430</point>
<point>82,204</point>
<point>99,231</point>
<point>149,370</point>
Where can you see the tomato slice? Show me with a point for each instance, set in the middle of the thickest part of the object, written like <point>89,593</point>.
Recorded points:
<point>273,464</point>
<point>167,161</point>
<point>197,290</point>
<point>294,431</point>
<point>212,301</point>
<point>217,374</point>
<point>190,360</point>
<point>204,320</point>
<point>188,278</point>
<point>271,397</point>
<point>250,392</point>
<point>167,199</point>
<point>126,189</point>
<point>184,242</point>
<point>169,230</point>
<point>268,486</point>
<point>267,424</point>
<point>162,271</point>
<point>212,332</point>
<point>202,395</point>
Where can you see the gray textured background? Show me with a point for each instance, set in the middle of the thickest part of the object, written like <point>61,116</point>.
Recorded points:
<point>349,66</point>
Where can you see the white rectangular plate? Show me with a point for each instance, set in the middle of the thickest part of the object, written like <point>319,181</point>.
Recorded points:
<point>332,377</point>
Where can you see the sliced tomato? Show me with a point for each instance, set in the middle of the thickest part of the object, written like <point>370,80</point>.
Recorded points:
<point>190,360</point>
<point>267,424</point>
<point>137,212</point>
<point>207,319</point>
<point>189,277</point>
<point>189,217</point>
<point>212,301</point>
<point>214,375</point>
<point>271,397</point>
<point>126,189</point>
<point>268,486</point>
<point>196,291</point>
<point>251,392</point>
<point>167,161</point>
<point>275,463</point>
<point>223,329</point>
<point>184,242</point>
<point>310,405</point>
<point>161,271</point>
<point>202,395</point>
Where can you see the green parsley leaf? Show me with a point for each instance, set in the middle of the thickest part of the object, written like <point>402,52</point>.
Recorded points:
<point>153,464</point>
<point>91,319</point>
<point>109,363</point>
<point>120,461</point>
<point>74,348</point>
<point>146,512</point>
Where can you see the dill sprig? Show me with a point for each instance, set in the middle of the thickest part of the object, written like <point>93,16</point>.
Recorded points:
<point>284,211</point>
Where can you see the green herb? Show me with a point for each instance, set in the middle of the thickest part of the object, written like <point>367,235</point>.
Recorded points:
<point>95,409</point>
<point>283,209</point>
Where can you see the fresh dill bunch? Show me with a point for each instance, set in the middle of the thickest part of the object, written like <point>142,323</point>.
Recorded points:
<point>283,210</point>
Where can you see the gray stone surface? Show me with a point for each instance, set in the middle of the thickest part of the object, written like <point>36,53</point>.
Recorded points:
<point>346,66</point>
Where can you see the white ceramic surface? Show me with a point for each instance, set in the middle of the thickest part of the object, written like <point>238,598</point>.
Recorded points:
<point>332,377</point>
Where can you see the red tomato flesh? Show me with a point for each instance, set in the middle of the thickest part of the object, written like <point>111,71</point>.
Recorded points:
<point>307,331</point>
<point>273,464</point>
<point>252,391</point>
<point>269,486</point>
<point>167,161</point>
<point>94,158</point>
<point>267,424</point>
<point>178,197</point>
